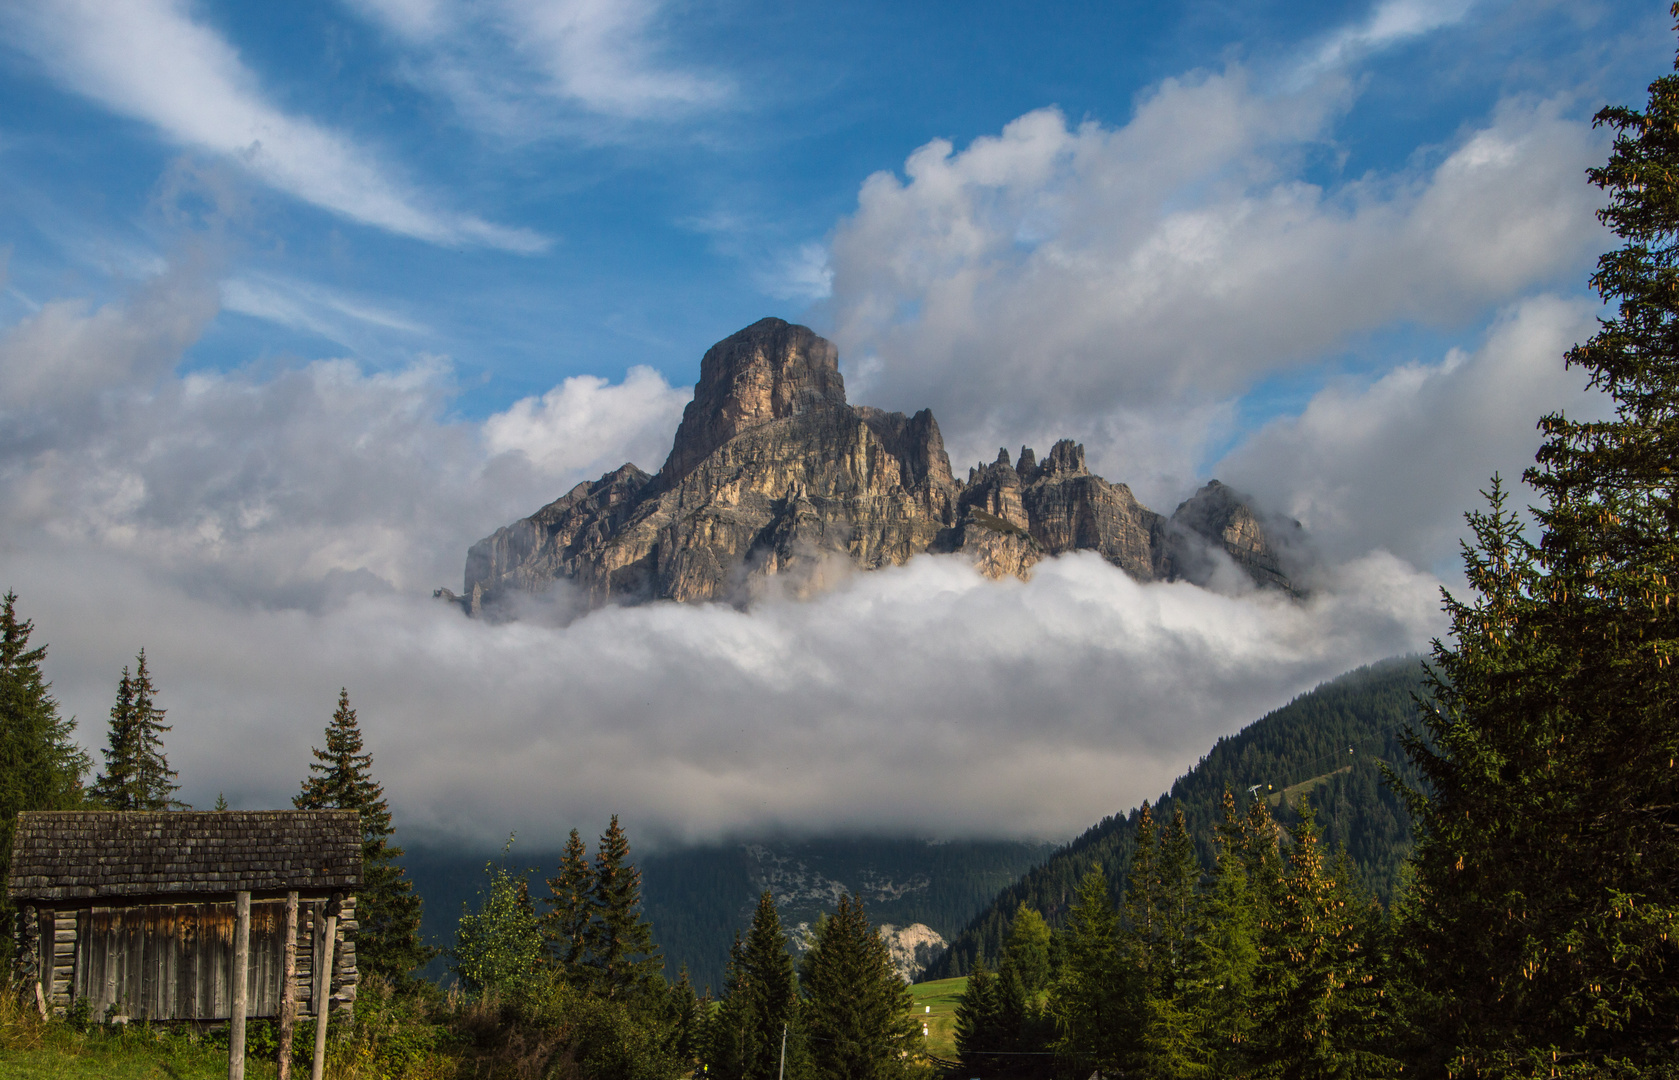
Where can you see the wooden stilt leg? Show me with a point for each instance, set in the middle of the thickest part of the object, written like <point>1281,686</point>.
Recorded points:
<point>241,984</point>
<point>324,1006</point>
<point>288,988</point>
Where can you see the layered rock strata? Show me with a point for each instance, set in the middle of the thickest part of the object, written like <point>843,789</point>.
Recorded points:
<point>773,477</point>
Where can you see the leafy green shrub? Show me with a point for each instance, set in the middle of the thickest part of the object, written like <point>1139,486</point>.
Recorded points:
<point>500,946</point>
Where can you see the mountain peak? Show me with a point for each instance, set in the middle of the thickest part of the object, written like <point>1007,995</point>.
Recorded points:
<point>771,370</point>
<point>773,474</point>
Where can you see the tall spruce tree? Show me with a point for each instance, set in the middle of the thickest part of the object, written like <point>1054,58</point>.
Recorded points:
<point>387,908</point>
<point>1090,998</point>
<point>1321,1004</point>
<point>621,953</point>
<point>570,914</point>
<point>1001,1029</point>
<point>1226,956</point>
<point>137,775</point>
<point>760,1004</point>
<point>1177,878</point>
<point>1168,1046</point>
<point>688,1015</point>
<point>856,1008</point>
<point>41,767</point>
<point>1027,1030</point>
<point>727,1041</point>
<point>979,1023</point>
<point>1545,922</point>
<point>1027,950</point>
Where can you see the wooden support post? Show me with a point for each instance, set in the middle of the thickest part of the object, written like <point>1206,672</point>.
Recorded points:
<point>288,988</point>
<point>43,958</point>
<point>324,1006</point>
<point>47,928</point>
<point>241,982</point>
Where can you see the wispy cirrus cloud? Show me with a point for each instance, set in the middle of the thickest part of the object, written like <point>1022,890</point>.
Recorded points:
<point>1389,23</point>
<point>303,305</point>
<point>507,64</point>
<point>150,60</point>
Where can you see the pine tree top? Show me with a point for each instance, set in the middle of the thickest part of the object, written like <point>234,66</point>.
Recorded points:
<point>137,775</point>
<point>342,775</point>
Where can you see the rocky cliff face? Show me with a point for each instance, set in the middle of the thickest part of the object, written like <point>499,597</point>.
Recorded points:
<point>912,948</point>
<point>772,475</point>
<point>1218,518</point>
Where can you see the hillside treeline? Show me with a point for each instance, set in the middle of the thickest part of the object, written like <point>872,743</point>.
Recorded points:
<point>1278,963</point>
<point>1338,743</point>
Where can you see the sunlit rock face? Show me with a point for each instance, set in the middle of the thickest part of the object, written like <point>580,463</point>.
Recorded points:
<point>772,476</point>
<point>912,949</point>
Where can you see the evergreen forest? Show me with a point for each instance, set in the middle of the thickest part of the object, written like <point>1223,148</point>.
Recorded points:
<point>1332,748</point>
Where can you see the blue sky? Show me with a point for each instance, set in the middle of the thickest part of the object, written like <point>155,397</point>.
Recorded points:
<point>671,187</point>
<point>300,300</point>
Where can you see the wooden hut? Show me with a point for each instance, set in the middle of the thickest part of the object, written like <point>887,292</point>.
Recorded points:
<point>137,912</point>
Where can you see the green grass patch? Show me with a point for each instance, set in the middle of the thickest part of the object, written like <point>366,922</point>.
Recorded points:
<point>1295,792</point>
<point>33,1049</point>
<point>935,1006</point>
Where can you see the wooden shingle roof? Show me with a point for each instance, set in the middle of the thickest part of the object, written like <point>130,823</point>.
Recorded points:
<point>77,854</point>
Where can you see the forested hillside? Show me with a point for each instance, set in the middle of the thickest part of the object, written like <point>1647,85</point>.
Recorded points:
<point>1327,746</point>
<point>698,898</point>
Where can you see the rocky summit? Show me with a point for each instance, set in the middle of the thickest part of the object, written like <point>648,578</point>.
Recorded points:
<point>773,476</point>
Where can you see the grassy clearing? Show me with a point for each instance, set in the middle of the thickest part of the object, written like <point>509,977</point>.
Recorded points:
<point>33,1049</point>
<point>1294,793</point>
<point>940,998</point>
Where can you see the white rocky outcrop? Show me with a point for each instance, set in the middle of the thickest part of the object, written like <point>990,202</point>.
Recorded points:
<point>913,948</point>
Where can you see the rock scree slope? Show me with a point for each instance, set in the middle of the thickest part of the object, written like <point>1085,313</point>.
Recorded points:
<point>773,475</point>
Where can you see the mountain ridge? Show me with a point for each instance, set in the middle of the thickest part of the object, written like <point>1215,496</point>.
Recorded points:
<point>771,472</point>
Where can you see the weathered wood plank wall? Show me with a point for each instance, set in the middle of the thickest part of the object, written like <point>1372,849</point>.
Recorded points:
<point>174,961</point>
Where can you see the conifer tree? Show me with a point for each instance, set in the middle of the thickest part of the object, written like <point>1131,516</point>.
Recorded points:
<point>1321,1006</point>
<point>570,901</point>
<point>760,1003</point>
<point>137,775</point>
<point>1000,1024</point>
<point>116,785</point>
<point>621,953</point>
<point>1142,895</point>
<point>1027,950</point>
<point>1094,1027</point>
<point>387,908</point>
<point>1168,1045</point>
<point>979,1022</point>
<point>687,1021</point>
<point>1177,876</point>
<point>855,1013</point>
<point>41,767</point>
<point>1226,956</point>
<point>1545,921</point>
<point>724,1051</point>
